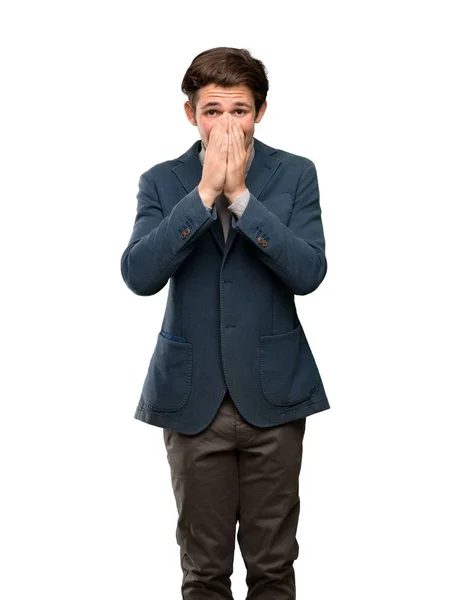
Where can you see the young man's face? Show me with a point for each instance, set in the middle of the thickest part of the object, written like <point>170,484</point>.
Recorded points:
<point>213,100</point>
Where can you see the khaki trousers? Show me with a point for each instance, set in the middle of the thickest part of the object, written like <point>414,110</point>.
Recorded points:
<point>235,472</point>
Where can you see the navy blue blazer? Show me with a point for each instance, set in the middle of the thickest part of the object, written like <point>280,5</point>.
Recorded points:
<point>230,319</point>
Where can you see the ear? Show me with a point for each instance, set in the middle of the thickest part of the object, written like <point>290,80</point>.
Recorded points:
<point>190,113</point>
<point>262,110</point>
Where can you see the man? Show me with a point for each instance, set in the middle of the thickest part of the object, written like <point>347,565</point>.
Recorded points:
<point>235,225</point>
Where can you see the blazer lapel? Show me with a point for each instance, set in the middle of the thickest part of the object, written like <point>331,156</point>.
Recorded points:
<point>188,170</point>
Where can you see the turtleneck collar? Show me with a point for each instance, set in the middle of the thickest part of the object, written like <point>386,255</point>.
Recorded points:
<point>201,155</point>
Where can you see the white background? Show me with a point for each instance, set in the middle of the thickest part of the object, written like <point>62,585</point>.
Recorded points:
<point>91,99</point>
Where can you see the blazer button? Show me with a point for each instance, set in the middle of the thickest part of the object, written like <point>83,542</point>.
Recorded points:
<point>262,241</point>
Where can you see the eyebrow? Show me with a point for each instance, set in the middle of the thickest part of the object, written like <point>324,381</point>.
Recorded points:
<point>210,104</point>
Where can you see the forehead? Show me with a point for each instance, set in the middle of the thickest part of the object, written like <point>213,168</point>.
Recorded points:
<point>224,96</point>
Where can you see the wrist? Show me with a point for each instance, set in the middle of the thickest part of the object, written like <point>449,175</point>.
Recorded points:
<point>208,196</point>
<point>238,192</point>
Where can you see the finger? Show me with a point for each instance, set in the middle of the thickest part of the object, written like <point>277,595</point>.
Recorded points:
<point>231,152</point>
<point>224,140</point>
<point>225,121</point>
<point>242,136</point>
<point>238,126</point>
<point>220,127</point>
<point>224,147</point>
<point>216,134</point>
<point>239,150</point>
<point>212,135</point>
<point>222,133</point>
<point>239,132</point>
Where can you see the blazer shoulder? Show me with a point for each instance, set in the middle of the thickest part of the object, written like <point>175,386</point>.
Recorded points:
<point>164,168</point>
<point>159,170</point>
<point>288,158</point>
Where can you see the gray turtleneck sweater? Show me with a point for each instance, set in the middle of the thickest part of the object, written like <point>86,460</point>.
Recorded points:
<point>237,207</point>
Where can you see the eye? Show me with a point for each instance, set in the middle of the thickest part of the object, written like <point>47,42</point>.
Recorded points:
<point>241,111</point>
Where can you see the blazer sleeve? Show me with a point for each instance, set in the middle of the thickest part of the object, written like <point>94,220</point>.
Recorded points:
<point>295,252</point>
<point>158,245</point>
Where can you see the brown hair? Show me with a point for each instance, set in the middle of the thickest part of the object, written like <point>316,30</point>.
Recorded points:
<point>227,67</point>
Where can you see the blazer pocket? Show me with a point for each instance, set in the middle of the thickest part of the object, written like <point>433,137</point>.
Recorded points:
<point>288,371</point>
<point>175,338</point>
<point>169,377</point>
